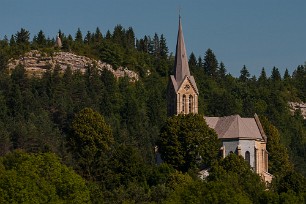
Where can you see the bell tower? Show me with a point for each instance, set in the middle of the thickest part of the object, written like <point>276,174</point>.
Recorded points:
<point>182,97</point>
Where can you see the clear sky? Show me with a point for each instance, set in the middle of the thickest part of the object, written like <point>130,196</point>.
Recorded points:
<point>261,33</point>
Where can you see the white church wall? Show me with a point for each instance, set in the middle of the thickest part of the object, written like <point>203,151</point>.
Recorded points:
<point>245,145</point>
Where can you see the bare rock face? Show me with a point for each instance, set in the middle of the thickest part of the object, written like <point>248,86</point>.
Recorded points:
<point>295,105</point>
<point>36,63</point>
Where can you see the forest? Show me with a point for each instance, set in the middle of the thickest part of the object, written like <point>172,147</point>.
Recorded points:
<point>73,137</point>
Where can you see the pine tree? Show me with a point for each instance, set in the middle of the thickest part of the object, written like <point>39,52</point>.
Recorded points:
<point>108,35</point>
<point>222,70</point>
<point>98,35</point>
<point>22,37</point>
<point>275,76</point>
<point>244,74</point>
<point>156,45</point>
<point>200,61</point>
<point>41,38</point>
<point>192,60</point>
<point>286,75</point>
<point>22,40</point>
<point>210,64</point>
<point>118,35</point>
<point>130,38</point>
<point>262,80</point>
<point>163,47</point>
<point>79,36</point>
<point>12,41</point>
<point>87,39</point>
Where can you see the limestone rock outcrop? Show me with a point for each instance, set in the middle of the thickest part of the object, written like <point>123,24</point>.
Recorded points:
<point>296,105</point>
<point>36,63</point>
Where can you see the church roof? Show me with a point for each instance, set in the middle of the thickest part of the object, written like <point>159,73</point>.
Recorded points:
<point>235,127</point>
<point>181,59</point>
<point>181,67</point>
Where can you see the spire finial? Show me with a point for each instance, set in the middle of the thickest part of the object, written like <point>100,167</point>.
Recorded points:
<point>179,10</point>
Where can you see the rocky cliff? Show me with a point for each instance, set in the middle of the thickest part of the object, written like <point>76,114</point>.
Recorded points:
<point>36,63</point>
<point>295,105</point>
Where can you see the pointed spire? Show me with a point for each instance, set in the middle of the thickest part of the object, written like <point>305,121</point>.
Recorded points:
<point>181,66</point>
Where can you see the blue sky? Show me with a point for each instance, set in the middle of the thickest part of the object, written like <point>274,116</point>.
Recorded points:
<point>261,33</point>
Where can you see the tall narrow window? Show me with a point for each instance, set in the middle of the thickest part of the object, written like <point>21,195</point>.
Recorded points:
<point>247,157</point>
<point>184,104</point>
<point>190,104</point>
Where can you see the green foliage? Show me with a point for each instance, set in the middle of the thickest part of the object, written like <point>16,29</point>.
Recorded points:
<point>3,61</point>
<point>36,115</point>
<point>186,142</point>
<point>210,64</point>
<point>39,178</point>
<point>244,74</point>
<point>230,170</point>
<point>89,140</point>
<point>279,163</point>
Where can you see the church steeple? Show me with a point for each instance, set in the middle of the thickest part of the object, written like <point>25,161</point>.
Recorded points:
<point>182,90</point>
<point>181,66</point>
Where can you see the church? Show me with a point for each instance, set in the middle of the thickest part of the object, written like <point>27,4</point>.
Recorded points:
<point>242,136</point>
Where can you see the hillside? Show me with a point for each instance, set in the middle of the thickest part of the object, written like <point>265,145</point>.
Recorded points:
<point>105,127</point>
<point>36,63</point>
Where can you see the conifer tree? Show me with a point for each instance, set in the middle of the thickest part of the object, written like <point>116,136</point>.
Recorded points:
<point>79,36</point>
<point>22,40</point>
<point>130,38</point>
<point>192,60</point>
<point>163,47</point>
<point>87,39</point>
<point>244,74</point>
<point>200,62</point>
<point>41,38</point>
<point>210,64</point>
<point>275,76</point>
<point>286,75</point>
<point>98,35</point>
<point>222,70</point>
<point>12,41</point>
<point>156,45</point>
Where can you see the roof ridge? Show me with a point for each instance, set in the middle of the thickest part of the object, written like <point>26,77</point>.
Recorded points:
<point>228,120</point>
<point>240,121</point>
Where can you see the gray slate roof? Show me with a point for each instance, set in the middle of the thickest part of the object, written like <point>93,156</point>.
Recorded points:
<point>234,127</point>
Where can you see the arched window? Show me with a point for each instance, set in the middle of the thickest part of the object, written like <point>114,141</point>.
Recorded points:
<point>190,104</point>
<point>184,104</point>
<point>247,157</point>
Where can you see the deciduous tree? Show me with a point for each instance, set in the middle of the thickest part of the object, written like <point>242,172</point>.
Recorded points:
<point>90,139</point>
<point>186,141</point>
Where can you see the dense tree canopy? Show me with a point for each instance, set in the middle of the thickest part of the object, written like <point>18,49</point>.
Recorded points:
<point>39,178</point>
<point>106,128</point>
